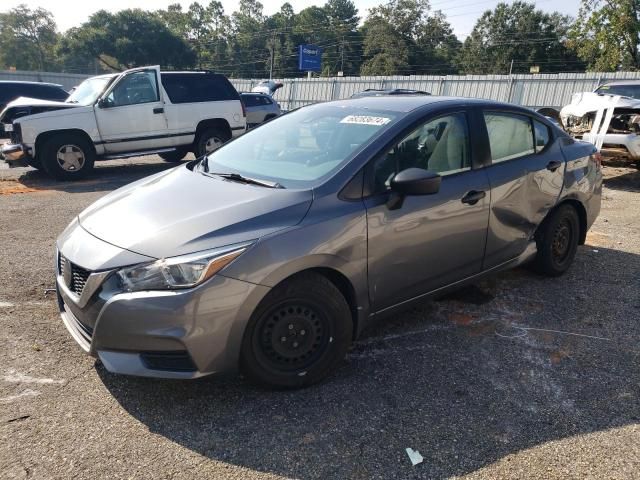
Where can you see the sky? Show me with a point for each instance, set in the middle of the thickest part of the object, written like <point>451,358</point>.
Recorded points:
<point>462,14</point>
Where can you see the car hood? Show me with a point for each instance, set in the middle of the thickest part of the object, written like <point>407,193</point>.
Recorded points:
<point>586,102</point>
<point>24,106</point>
<point>183,211</point>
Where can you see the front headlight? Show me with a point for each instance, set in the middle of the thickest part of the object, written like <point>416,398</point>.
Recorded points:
<point>185,271</point>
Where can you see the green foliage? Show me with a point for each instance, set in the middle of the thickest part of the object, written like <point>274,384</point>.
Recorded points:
<point>518,32</point>
<point>607,33</point>
<point>28,39</point>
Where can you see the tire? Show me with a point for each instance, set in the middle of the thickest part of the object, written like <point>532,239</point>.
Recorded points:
<point>206,140</point>
<point>67,156</point>
<point>175,156</point>
<point>35,163</point>
<point>298,335</point>
<point>557,242</point>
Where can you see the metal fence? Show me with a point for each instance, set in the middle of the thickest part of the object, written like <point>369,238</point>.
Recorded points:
<point>541,90</point>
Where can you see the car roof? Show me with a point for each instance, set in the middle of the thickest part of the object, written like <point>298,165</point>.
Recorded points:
<point>407,103</point>
<point>21,82</point>
<point>620,82</point>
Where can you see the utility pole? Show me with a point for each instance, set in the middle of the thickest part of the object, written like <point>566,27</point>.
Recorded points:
<point>342,55</point>
<point>511,67</point>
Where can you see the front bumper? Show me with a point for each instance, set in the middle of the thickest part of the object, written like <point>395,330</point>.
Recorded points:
<point>12,153</point>
<point>168,334</point>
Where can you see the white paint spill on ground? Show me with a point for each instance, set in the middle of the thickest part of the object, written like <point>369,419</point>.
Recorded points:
<point>27,393</point>
<point>14,377</point>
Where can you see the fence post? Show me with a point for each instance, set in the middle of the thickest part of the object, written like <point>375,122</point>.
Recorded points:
<point>291,88</point>
<point>440,85</point>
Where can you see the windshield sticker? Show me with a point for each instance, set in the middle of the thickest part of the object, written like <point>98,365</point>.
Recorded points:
<point>366,120</point>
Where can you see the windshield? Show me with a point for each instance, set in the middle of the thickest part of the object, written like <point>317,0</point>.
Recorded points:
<point>89,90</point>
<point>300,149</point>
<point>632,91</point>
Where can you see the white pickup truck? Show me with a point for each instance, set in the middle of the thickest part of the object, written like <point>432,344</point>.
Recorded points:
<point>137,112</point>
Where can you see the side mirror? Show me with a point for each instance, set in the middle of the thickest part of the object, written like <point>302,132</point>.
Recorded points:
<point>412,181</point>
<point>105,103</point>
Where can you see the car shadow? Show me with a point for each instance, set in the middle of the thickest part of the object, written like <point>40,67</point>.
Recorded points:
<point>466,380</point>
<point>106,176</point>
<point>629,182</point>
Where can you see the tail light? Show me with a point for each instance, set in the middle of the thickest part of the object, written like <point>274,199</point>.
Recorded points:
<point>597,157</point>
<point>244,110</point>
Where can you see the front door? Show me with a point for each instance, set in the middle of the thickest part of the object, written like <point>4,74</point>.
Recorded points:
<point>431,240</point>
<point>131,115</point>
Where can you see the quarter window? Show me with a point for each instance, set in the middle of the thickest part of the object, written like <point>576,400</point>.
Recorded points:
<point>440,145</point>
<point>510,136</point>
<point>541,132</point>
<point>135,88</point>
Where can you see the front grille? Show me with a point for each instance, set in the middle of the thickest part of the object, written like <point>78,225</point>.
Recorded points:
<point>177,361</point>
<point>78,274</point>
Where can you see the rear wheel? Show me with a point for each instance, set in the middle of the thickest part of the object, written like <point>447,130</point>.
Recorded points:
<point>209,140</point>
<point>67,156</point>
<point>298,335</point>
<point>557,242</point>
<point>174,156</point>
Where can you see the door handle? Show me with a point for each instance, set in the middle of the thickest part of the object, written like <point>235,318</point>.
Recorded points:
<point>158,110</point>
<point>553,165</point>
<point>473,197</point>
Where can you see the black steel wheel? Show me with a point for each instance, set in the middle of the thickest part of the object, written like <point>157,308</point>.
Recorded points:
<point>557,241</point>
<point>299,333</point>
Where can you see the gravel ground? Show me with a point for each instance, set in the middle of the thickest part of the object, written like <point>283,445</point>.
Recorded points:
<point>517,377</point>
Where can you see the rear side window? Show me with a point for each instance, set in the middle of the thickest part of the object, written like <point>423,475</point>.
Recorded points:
<point>510,136</point>
<point>250,100</point>
<point>7,92</point>
<point>541,132</point>
<point>197,87</point>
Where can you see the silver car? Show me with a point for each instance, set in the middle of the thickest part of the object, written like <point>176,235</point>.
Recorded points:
<point>259,107</point>
<point>277,250</point>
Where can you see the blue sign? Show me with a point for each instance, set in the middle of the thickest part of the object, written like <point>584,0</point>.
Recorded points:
<point>309,58</point>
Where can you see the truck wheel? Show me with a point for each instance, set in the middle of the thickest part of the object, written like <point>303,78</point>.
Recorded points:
<point>67,156</point>
<point>298,335</point>
<point>35,163</point>
<point>208,140</point>
<point>557,242</point>
<point>175,156</point>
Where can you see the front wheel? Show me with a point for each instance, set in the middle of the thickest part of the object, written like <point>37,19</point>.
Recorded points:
<point>208,141</point>
<point>67,157</point>
<point>298,335</point>
<point>174,156</point>
<point>557,242</point>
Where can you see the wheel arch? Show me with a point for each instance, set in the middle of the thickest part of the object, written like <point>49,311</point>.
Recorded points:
<point>44,136</point>
<point>220,123</point>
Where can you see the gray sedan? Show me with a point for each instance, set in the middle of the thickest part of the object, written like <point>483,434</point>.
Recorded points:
<point>259,108</point>
<point>277,250</point>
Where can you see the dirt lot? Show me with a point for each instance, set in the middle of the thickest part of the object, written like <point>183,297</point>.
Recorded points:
<point>518,377</point>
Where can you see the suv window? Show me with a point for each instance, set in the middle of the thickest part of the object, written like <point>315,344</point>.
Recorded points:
<point>136,88</point>
<point>250,100</point>
<point>197,87</point>
<point>440,145</point>
<point>510,136</point>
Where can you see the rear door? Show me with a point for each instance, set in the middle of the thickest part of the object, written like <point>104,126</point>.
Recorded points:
<point>131,114</point>
<point>252,105</point>
<point>526,176</point>
<point>431,240</point>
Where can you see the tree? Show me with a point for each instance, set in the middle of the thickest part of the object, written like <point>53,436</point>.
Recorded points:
<point>519,33</point>
<point>131,37</point>
<point>405,37</point>
<point>28,39</point>
<point>607,33</point>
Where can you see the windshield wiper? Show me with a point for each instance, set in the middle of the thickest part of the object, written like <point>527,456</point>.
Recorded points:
<point>236,177</point>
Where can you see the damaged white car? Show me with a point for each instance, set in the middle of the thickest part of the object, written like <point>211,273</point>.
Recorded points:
<point>608,118</point>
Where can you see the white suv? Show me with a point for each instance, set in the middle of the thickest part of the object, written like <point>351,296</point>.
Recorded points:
<point>138,112</point>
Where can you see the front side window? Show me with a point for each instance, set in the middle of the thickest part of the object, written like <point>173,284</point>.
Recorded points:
<point>302,148</point>
<point>510,136</point>
<point>135,88</point>
<point>440,145</point>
